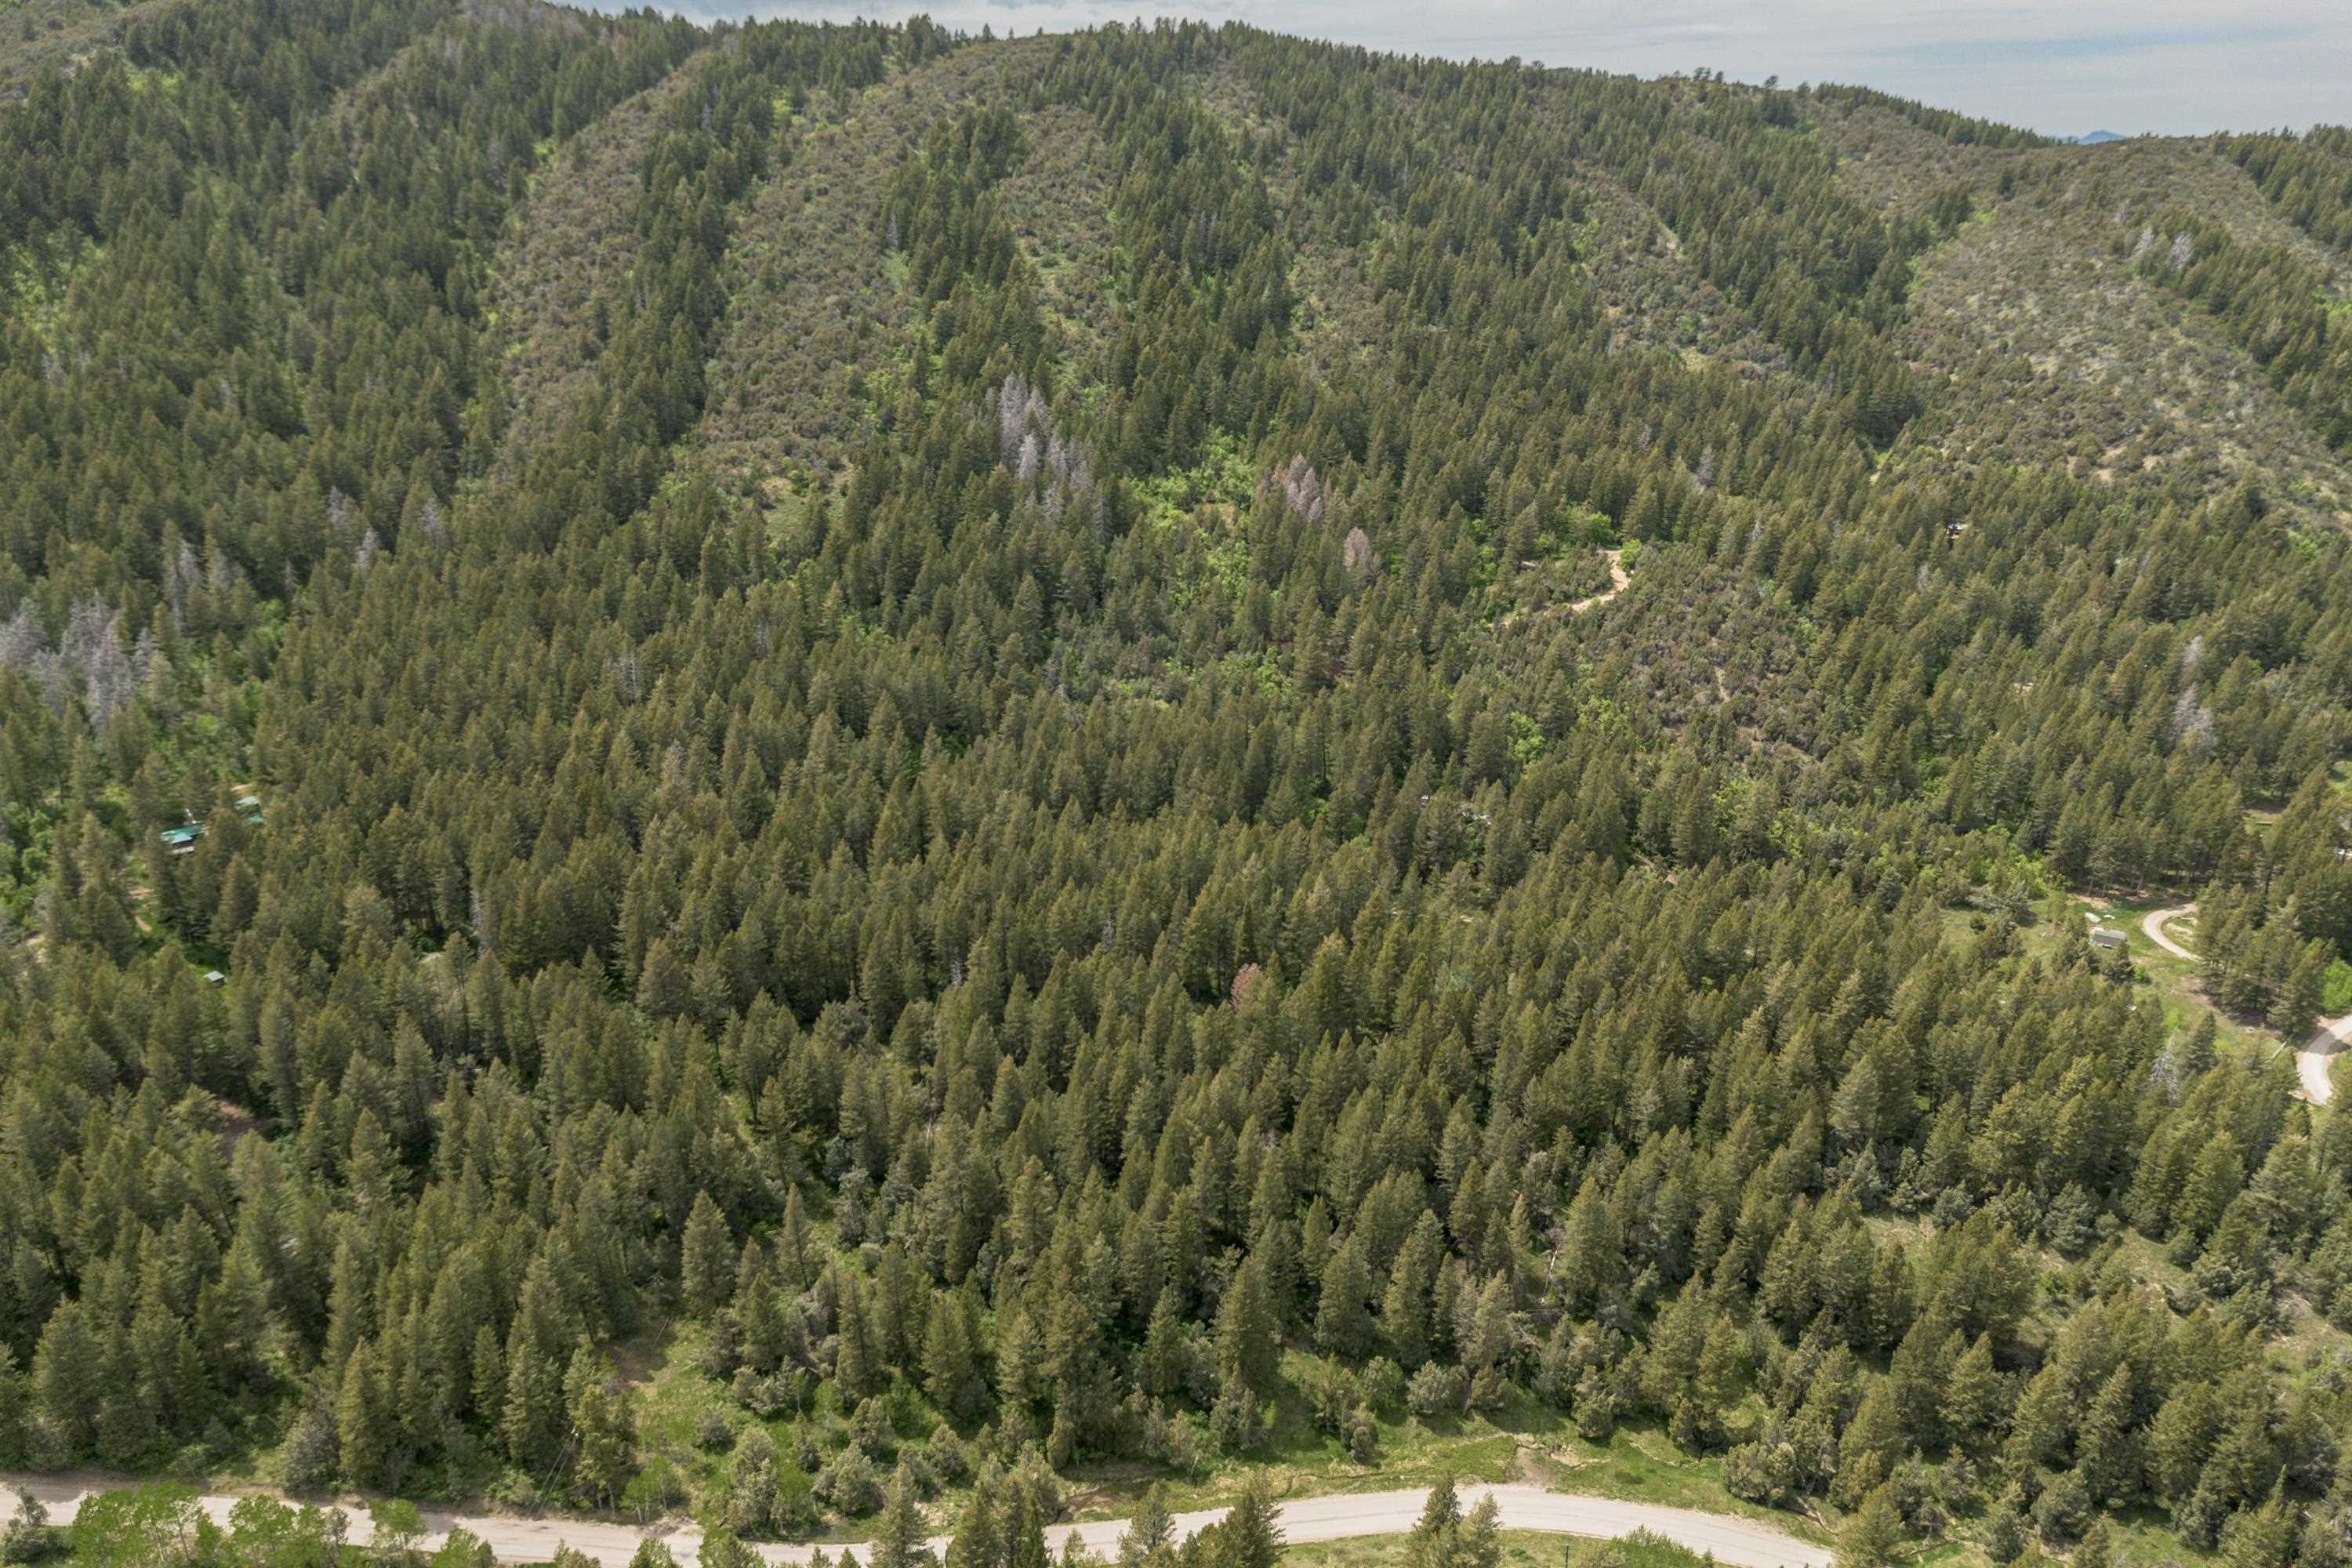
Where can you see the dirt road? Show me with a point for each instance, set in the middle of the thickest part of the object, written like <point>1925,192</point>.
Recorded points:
<point>2317,1053</point>
<point>1618,578</point>
<point>2153,926</point>
<point>2313,1057</point>
<point>1741,1542</point>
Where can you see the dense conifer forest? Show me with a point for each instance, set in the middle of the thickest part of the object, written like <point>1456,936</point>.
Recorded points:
<point>839,777</point>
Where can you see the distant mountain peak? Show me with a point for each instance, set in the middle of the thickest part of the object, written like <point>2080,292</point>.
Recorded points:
<point>2095,137</point>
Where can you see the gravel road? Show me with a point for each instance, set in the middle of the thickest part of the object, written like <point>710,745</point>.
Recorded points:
<point>1740,1542</point>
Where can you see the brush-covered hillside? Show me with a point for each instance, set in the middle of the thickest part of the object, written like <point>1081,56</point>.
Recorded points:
<point>785,770</point>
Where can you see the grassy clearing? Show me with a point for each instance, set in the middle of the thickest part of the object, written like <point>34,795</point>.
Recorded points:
<point>671,1403</point>
<point>2141,1537</point>
<point>1641,1464</point>
<point>1521,1549</point>
<point>2173,981</point>
<point>2176,985</point>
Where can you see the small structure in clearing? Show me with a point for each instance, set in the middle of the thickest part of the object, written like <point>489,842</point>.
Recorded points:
<point>182,840</point>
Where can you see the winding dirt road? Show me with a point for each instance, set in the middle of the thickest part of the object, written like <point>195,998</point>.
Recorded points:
<point>1741,1542</point>
<point>1618,578</point>
<point>2312,1057</point>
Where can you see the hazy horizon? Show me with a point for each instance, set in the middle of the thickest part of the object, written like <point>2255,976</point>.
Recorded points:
<point>2167,66</point>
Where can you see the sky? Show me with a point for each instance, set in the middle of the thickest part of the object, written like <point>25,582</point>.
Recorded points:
<point>2064,66</point>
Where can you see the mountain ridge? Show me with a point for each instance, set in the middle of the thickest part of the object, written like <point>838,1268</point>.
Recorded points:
<point>840,777</point>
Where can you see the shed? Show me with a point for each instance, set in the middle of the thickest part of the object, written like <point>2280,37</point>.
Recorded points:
<point>182,840</point>
<point>2107,939</point>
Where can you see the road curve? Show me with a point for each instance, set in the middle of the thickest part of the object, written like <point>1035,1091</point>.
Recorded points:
<point>2313,1057</point>
<point>1740,1542</point>
<point>2153,926</point>
<point>1618,578</point>
<point>2317,1053</point>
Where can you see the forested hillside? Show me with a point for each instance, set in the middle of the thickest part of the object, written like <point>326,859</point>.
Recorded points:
<point>793,772</point>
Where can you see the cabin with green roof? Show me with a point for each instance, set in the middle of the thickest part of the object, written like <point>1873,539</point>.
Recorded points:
<point>182,840</point>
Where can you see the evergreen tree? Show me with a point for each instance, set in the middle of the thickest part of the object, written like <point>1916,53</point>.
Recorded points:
<point>1246,1342</point>
<point>1873,1538</point>
<point>898,1539</point>
<point>706,1258</point>
<point>603,1440</point>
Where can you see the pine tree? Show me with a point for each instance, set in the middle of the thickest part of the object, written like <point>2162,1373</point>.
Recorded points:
<point>67,1374</point>
<point>2179,1440</point>
<point>2042,1424</point>
<point>899,1538</point>
<point>2103,1453</point>
<point>1869,1448</point>
<point>721,1549</point>
<point>361,1420</point>
<point>604,1439</point>
<point>1151,1529</point>
<point>706,1257</point>
<point>1873,1537</point>
<point>1431,1542</point>
<point>950,1357</point>
<point>531,1420</point>
<point>1972,1392</point>
<point>1246,1347</point>
<point>1343,1319</point>
<point>1591,1256</point>
<point>15,1405</point>
<point>855,1368</point>
<point>1249,1536</point>
<point>1159,1369</point>
<point>1024,1543</point>
<point>489,1369</point>
<point>1406,1303</point>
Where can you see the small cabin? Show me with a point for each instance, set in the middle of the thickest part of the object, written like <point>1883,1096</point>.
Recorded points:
<point>2107,939</point>
<point>182,840</point>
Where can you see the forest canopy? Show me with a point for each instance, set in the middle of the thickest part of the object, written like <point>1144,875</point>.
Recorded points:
<point>805,773</point>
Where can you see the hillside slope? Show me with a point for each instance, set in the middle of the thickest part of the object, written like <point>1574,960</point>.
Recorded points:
<point>799,773</point>
<point>2052,347</point>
